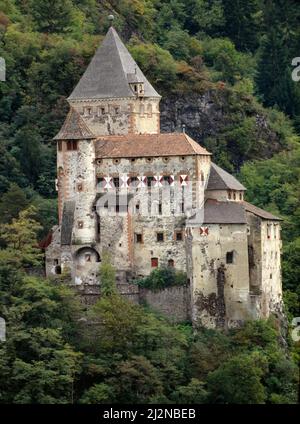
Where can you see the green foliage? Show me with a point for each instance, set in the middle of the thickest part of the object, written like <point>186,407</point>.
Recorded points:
<point>51,17</point>
<point>228,64</point>
<point>242,19</point>
<point>238,381</point>
<point>107,275</point>
<point>156,62</point>
<point>20,238</point>
<point>161,278</point>
<point>12,202</point>
<point>116,351</point>
<point>37,364</point>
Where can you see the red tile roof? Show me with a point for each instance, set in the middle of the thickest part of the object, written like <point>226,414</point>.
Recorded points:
<point>147,145</point>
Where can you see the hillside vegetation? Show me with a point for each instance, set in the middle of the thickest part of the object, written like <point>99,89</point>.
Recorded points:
<point>237,54</point>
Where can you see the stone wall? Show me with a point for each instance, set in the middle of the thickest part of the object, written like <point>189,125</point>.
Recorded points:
<point>173,302</point>
<point>120,116</point>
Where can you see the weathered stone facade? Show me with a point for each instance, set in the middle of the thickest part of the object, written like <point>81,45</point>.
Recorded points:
<point>153,199</point>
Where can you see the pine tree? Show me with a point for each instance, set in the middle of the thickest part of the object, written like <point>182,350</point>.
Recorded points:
<point>242,23</point>
<point>274,81</point>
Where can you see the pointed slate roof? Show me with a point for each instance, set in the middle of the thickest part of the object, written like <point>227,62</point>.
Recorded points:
<point>74,128</point>
<point>110,72</point>
<point>222,180</point>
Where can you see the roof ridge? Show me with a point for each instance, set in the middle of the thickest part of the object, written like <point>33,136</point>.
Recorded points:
<point>194,144</point>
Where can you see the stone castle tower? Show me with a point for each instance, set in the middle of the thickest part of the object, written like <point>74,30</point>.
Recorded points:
<point>155,199</point>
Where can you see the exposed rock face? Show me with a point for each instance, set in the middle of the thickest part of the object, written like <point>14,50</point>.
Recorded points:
<point>201,114</point>
<point>211,114</point>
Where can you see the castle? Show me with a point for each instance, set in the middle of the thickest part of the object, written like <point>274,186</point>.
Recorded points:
<point>155,199</point>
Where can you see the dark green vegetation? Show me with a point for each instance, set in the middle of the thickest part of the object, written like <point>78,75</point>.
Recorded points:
<point>58,352</point>
<point>240,51</point>
<point>161,278</point>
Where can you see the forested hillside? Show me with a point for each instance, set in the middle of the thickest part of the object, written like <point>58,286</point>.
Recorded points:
<point>224,70</point>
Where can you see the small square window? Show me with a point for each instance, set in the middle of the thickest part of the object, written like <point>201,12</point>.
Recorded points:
<point>160,237</point>
<point>138,238</point>
<point>80,224</point>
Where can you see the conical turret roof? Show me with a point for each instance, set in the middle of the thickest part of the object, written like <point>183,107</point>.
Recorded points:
<point>110,72</point>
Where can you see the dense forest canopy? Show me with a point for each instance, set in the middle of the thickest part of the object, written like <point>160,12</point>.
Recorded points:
<point>240,51</point>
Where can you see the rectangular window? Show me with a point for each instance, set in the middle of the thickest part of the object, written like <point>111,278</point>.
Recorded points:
<point>72,145</point>
<point>59,146</point>
<point>150,181</point>
<point>178,236</point>
<point>116,181</point>
<point>133,181</point>
<point>117,110</point>
<point>159,208</point>
<point>160,237</point>
<point>229,257</point>
<point>138,238</point>
<point>101,182</point>
<point>88,111</point>
<point>154,262</point>
<point>167,179</point>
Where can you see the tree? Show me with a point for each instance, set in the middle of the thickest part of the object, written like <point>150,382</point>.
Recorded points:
<point>107,276</point>
<point>20,238</point>
<point>237,381</point>
<point>37,364</point>
<point>12,202</point>
<point>52,16</point>
<point>241,22</point>
<point>193,393</point>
